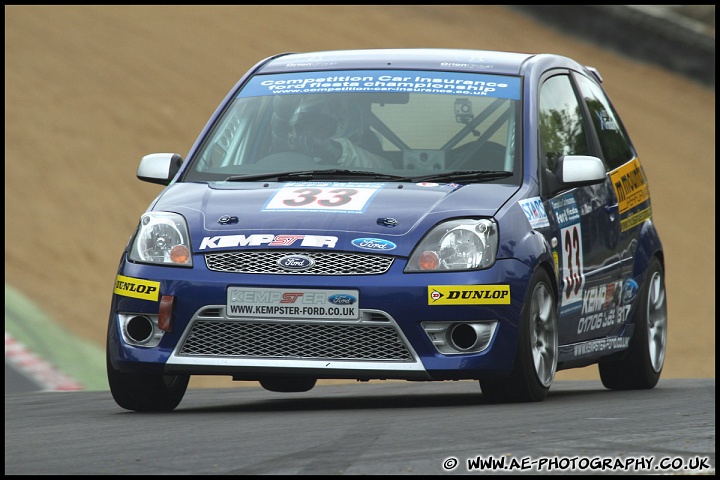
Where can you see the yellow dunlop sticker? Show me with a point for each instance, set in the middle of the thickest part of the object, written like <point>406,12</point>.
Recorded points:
<point>137,288</point>
<point>469,295</point>
<point>630,185</point>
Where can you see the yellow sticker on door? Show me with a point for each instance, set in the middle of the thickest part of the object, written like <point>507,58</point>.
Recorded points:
<point>137,288</point>
<point>469,295</point>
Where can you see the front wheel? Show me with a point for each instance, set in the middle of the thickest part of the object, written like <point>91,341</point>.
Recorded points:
<point>146,392</point>
<point>641,366</point>
<point>537,353</point>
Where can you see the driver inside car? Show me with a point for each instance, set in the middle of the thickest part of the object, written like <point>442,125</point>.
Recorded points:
<point>334,132</point>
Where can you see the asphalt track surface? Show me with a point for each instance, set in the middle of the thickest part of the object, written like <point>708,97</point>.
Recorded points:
<point>394,428</point>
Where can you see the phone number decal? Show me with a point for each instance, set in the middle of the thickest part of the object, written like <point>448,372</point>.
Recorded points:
<point>344,197</point>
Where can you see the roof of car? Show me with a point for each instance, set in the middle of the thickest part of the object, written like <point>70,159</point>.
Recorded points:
<point>508,63</point>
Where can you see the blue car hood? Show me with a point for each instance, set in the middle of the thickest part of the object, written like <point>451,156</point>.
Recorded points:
<point>397,212</point>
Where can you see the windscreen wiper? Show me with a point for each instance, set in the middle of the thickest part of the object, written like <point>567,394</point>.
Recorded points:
<point>462,176</point>
<point>324,174</point>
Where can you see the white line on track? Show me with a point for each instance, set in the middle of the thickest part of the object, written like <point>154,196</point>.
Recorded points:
<point>43,373</point>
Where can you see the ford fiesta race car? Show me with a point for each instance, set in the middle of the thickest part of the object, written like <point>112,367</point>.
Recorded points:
<point>419,214</point>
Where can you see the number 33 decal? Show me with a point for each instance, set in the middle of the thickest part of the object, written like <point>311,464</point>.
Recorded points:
<point>573,267</point>
<point>340,197</point>
<point>306,196</point>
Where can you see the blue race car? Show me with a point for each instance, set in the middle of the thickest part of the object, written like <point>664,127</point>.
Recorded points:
<point>414,214</point>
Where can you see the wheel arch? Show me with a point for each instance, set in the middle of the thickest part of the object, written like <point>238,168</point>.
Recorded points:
<point>649,247</point>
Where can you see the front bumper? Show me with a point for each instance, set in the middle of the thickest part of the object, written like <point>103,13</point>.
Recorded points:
<point>400,334</point>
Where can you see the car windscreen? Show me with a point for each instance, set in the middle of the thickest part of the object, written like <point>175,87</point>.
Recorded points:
<point>391,122</point>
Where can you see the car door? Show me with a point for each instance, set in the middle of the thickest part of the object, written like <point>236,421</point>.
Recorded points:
<point>628,181</point>
<point>584,225</point>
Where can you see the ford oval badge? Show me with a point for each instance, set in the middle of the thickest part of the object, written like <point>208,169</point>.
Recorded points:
<point>630,290</point>
<point>374,244</point>
<point>296,262</point>
<point>342,299</point>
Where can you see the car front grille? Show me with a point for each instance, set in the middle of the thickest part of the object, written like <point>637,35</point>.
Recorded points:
<point>326,263</point>
<point>375,339</point>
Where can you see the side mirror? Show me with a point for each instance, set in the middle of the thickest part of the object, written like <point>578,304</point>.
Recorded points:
<point>580,170</point>
<point>159,167</point>
<point>573,171</point>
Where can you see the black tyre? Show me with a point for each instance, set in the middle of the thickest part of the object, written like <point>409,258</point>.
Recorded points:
<point>286,385</point>
<point>144,392</point>
<point>537,353</point>
<point>641,366</point>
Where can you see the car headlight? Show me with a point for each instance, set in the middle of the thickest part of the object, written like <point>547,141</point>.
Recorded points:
<point>463,244</point>
<point>162,238</point>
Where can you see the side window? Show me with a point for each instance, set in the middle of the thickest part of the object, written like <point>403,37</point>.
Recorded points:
<point>562,129</point>
<point>614,142</point>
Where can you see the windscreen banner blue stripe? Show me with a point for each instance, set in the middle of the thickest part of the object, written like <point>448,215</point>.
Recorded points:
<point>400,81</point>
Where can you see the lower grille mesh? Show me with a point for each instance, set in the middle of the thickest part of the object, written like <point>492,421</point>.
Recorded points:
<point>295,340</point>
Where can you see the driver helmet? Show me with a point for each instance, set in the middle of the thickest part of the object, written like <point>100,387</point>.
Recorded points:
<point>328,116</point>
